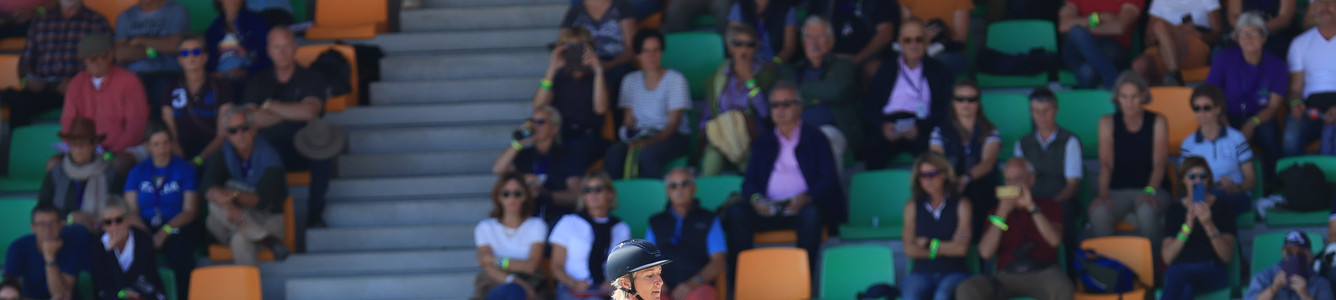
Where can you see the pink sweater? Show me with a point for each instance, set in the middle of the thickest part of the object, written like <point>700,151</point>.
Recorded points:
<point>120,108</point>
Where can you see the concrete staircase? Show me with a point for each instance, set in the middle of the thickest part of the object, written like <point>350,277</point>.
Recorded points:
<point>456,81</point>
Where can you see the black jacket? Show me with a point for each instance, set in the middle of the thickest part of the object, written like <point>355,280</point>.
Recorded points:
<point>109,280</point>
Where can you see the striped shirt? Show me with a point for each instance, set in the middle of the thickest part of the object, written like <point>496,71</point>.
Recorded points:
<point>51,49</point>
<point>1223,155</point>
<point>652,108</point>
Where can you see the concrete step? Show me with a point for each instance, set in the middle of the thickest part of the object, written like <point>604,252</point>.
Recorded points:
<point>407,212</point>
<point>424,186</point>
<point>476,3</point>
<point>390,238</point>
<point>482,17</point>
<point>418,164</point>
<point>530,62</point>
<point>369,263</point>
<point>418,286</point>
<point>427,139</point>
<point>453,90</point>
<point>466,40</point>
<point>420,114</point>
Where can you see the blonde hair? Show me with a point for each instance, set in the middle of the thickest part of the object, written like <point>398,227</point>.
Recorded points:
<point>607,188</point>
<point>577,35</point>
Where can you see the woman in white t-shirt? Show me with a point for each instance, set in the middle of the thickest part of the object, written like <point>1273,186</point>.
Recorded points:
<point>510,243</point>
<point>581,241</point>
<point>655,100</point>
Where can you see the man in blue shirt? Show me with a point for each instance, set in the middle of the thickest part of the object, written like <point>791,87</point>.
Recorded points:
<point>48,261</point>
<point>1291,278</point>
<point>691,237</point>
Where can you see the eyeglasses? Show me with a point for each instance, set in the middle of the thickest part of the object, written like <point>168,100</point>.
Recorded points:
<point>967,99</point>
<point>593,189</point>
<point>111,221</point>
<point>912,40</point>
<point>512,194</point>
<point>1197,175</point>
<point>1202,108</point>
<point>784,103</point>
<point>679,184</point>
<point>238,129</point>
<point>191,52</point>
<point>741,43</point>
<point>538,122</point>
<point>930,174</point>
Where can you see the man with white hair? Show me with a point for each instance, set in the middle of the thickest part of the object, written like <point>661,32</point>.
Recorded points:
<point>828,85</point>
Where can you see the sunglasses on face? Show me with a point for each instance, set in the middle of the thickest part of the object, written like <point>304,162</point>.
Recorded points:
<point>238,129</point>
<point>1197,175</point>
<point>740,43</point>
<point>967,99</point>
<point>912,40</point>
<point>538,122</point>
<point>111,221</point>
<point>512,194</point>
<point>784,103</point>
<point>930,174</point>
<point>191,52</point>
<point>594,189</point>
<point>1202,108</point>
<point>679,184</point>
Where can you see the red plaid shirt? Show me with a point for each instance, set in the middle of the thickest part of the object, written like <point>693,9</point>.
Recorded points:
<point>53,40</point>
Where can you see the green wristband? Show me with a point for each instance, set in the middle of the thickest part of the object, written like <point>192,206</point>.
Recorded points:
<point>999,222</point>
<point>1182,237</point>
<point>516,144</point>
<point>933,247</point>
<point>1185,229</point>
<point>150,52</point>
<point>1094,20</point>
<point>545,84</point>
<point>1149,190</point>
<point>199,161</point>
<point>1296,102</point>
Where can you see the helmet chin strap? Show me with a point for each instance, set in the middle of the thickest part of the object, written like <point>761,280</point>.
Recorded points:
<point>631,291</point>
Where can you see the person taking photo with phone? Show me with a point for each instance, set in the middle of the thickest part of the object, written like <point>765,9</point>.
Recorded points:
<point>1225,149</point>
<point>1204,243</point>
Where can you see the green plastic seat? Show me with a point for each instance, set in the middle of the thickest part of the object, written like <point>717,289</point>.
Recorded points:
<point>201,14</point>
<point>696,55</point>
<point>1266,248</point>
<point>714,190</point>
<point>877,204</point>
<point>14,221</point>
<point>168,282</point>
<point>30,148</point>
<point>1278,217</point>
<point>637,200</point>
<point>84,287</point>
<point>1006,37</point>
<point>705,21</point>
<point>1079,112</point>
<point>1011,114</point>
<point>50,115</point>
<point>849,270</point>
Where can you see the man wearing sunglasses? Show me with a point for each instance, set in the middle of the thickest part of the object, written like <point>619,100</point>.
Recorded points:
<point>48,261</point>
<point>112,97</point>
<point>246,186</point>
<point>545,163</point>
<point>125,264</point>
<point>691,237</point>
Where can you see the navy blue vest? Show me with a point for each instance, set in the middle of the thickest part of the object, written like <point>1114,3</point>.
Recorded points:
<point>690,254</point>
<point>942,229</point>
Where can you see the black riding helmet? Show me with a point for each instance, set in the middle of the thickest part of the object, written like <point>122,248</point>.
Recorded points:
<point>630,256</point>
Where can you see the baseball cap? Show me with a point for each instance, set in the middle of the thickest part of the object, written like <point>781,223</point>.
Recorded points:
<point>1297,239</point>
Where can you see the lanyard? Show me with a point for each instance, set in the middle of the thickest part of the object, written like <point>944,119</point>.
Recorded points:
<point>245,167</point>
<point>79,191</point>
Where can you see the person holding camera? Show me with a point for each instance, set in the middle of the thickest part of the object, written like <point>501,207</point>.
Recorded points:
<point>575,85</point>
<point>1198,253</point>
<point>1291,278</point>
<point>538,153</point>
<point>1024,237</point>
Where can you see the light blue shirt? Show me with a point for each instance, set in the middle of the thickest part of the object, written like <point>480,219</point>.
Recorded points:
<point>1224,155</point>
<point>714,240</point>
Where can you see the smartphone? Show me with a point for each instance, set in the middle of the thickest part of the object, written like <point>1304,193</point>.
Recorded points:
<point>1008,192</point>
<point>574,55</point>
<point>1198,193</point>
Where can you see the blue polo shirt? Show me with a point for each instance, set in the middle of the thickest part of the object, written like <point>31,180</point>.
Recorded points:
<point>25,261</point>
<point>1223,155</point>
<point>714,240</point>
<point>161,190</point>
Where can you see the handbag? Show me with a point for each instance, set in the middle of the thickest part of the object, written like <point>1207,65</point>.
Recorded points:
<point>728,133</point>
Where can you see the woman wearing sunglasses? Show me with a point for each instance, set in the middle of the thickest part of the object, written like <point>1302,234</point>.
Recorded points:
<point>236,41</point>
<point>510,243</point>
<point>739,85</point>
<point>196,100</point>
<point>936,232</point>
<point>1133,150</point>
<point>1204,243</point>
<point>1254,82</point>
<point>908,99</point>
<point>1225,149</point>
<point>162,198</point>
<point>970,143</point>
<point>581,241</point>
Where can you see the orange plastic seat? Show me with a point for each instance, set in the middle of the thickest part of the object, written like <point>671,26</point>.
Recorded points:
<point>1174,103</point>
<point>1133,251</point>
<point>1197,74</point>
<point>307,54</point>
<point>225,283</point>
<point>774,274</point>
<point>784,236</point>
<point>111,9</point>
<point>221,253</point>
<point>13,44</point>
<point>348,20</point>
<point>9,71</point>
<point>299,178</point>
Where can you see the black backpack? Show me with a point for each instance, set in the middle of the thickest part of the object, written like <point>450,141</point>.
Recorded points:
<point>1306,188</point>
<point>336,70</point>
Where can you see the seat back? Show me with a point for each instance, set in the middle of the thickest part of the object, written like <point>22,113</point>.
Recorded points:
<point>231,282</point>
<point>202,14</point>
<point>352,13</point>
<point>1173,102</point>
<point>773,273</point>
<point>849,270</point>
<point>30,148</point>
<point>1079,112</point>
<point>1266,248</point>
<point>637,200</point>
<point>1010,113</point>
<point>1132,251</point>
<point>15,218</point>
<point>308,54</point>
<point>9,71</point>
<point>712,191</point>
<point>881,195</point>
<point>1002,36</point>
<point>696,55</point>
<point>111,9</point>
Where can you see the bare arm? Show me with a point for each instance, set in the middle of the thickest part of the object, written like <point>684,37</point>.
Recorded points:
<point>1117,24</point>
<point>1105,154</point>
<point>570,195</point>
<point>989,161</point>
<point>1160,152</point>
<point>959,246</point>
<point>1069,192</point>
<point>126,52</point>
<point>487,261</point>
<point>992,235</point>
<point>885,33</point>
<point>908,231</point>
<point>558,266</point>
<point>169,119</point>
<point>504,162</point>
<point>960,25</point>
<point>218,137</point>
<point>1050,231</point>
<point>600,92</point>
<point>674,120</point>
<point>132,210</point>
<point>1296,85</point>
<point>1249,177</point>
<point>628,34</point>
<point>1282,19</point>
<point>1217,28</point>
<point>1234,8</point>
<point>60,285</point>
<point>790,44</point>
<point>189,211</point>
<point>1069,16</point>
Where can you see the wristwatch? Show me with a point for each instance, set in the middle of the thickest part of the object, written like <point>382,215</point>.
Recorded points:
<point>1034,210</point>
<point>52,262</point>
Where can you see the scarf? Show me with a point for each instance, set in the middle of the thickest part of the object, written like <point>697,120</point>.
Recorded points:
<point>95,186</point>
<point>262,158</point>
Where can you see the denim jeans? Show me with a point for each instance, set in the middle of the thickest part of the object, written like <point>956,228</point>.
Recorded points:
<point>931,286</point>
<point>650,160</point>
<point>509,291</point>
<point>1299,133</point>
<point>564,293</point>
<point>1092,58</point>
<point>1183,280</point>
